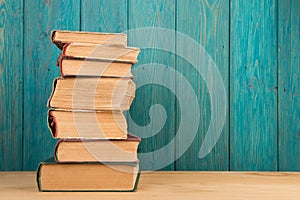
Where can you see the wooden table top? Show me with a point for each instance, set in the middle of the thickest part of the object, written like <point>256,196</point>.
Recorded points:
<point>170,185</point>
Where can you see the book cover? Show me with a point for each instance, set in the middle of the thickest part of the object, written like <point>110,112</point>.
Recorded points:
<point>87,177</point>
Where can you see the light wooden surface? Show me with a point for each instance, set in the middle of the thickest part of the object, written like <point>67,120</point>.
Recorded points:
<point>170,185</point>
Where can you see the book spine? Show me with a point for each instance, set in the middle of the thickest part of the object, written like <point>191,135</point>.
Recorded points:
<point>52,124</point>
<point>52,93</point>
<point>64,49</point>
<point>59,44</point>
<point>56,149</point>
<point>136,182</point>
<point>52,35</point>
<point>59,63</point>
<point>38,174</point>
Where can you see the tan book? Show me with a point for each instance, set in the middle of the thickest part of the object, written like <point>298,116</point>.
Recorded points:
<point>62,37</point>
<point>97,150</point>
<point>54,177</point>
<point>101,52</point>
<point>92,67</point>
<point>87,124</point>
<point>92,93</point>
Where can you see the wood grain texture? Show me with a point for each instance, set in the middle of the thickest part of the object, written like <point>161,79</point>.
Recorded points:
<point>170,185</point>
<point>206,22</point>
<point>104,15</point>
<point>258,113</point>
<point>40,56</point>
<point>161,14</point>
<point>289,84</point>
<point>11,54</point>
<point>253,85</point>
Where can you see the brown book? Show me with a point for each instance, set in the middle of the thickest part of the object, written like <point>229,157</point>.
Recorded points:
<point>97,150</point>
<point>92,67</point>
<point>71,93</point>
<point>54,177</point>
<point>101,52</point>
<point>60,38</point>
<point>76,124</point>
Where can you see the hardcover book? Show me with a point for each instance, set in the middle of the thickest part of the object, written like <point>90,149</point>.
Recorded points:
<point>102,52</point>
<point>61,37</point>
<point>87,124</point>
<point>93,67</point>
<point>97,150</point>
<point>122,176</point>
<point>84,93</point>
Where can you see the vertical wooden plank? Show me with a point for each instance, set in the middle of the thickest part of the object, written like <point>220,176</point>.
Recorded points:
<point>158,14</point>
<point>253,85</point>
<point>40,56</point>
<point>289,84</point>
<point>104,15</point>
<point>11,45</point>
<point>206,22</point>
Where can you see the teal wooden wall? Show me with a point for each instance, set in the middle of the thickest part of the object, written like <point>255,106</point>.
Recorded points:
<point>254,44</point>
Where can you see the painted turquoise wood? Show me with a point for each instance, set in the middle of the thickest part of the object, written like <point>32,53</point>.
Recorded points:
<point>39,70</point>
<point>11,48</point>
<point>160,13</point>
<point>253,85</point>
<point>289,84</point>
<point>206,22</point>
<point>105,15</point>
<point>261,131</point>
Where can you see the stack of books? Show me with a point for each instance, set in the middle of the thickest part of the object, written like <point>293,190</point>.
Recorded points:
<point>94,151</point>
